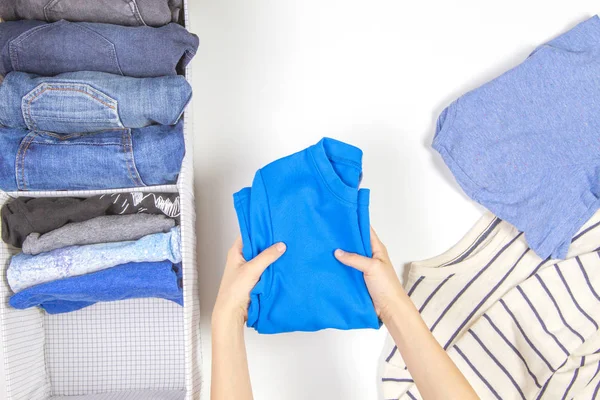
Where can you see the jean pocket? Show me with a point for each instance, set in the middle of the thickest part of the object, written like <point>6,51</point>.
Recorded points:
<point>62,46</point>
<point>124,12</point>
<point>69,108</point>
<point>103,160</point>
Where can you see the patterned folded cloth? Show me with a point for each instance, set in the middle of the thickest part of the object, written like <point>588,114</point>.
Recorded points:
<point>26,270</point>
<point>127,281</point>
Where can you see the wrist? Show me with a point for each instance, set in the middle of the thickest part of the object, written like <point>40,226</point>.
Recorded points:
<point>224,317</point>
<point>395,309</point>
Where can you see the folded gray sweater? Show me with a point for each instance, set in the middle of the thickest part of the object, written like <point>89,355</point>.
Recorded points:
<point>103,229</point>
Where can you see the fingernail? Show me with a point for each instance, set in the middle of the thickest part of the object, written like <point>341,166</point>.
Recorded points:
<point>339,253</point>
<point>280,247</point>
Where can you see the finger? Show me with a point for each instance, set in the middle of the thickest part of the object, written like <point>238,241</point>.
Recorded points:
<point>236,248</point>
<point>354,260</point>
<point>378,248</point>
<point>259,263</point>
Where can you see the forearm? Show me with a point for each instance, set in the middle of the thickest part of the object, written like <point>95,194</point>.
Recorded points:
<point>230,375</point>
<point>434,373</point>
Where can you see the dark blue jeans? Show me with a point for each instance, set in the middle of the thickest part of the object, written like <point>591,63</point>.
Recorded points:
<point>52,48</point>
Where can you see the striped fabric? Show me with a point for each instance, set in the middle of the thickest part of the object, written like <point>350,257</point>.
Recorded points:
<point>517,326</point>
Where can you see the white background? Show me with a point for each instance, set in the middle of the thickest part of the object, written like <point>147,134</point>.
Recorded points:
<point>273,77</point>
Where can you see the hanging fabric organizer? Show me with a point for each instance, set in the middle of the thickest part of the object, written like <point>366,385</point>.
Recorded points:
<point>141,349</point>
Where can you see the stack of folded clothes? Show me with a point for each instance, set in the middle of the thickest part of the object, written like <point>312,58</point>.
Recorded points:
<point>77,252</point>
<point>91,96</point>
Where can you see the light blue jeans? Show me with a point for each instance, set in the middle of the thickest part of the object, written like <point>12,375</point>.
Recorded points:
<point>40,160</point>
<point>80,102</point>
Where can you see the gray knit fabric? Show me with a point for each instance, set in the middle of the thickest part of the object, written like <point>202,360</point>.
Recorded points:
<point>103,229</point>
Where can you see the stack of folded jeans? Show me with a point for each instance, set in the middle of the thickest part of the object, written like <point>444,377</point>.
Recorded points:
<point>77,252</point>
<point>94,104</point>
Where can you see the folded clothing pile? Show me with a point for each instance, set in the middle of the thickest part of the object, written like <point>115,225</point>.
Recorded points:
<point>77,252</point>
<point>99,87</point>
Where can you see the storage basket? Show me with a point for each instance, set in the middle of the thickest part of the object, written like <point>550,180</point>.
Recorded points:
<point>142,349</point>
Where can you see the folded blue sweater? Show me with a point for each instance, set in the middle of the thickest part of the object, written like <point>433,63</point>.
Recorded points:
<point>311,202</point>
<point>127,281</point>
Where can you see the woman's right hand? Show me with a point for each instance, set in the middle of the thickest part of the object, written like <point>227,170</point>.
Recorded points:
<point>381,278</point>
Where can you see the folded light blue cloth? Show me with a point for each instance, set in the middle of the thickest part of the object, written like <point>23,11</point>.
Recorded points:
<point>127,281</point>
<point>26,270</point>
<point>90,101</point>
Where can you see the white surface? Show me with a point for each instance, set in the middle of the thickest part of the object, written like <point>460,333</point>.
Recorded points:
<point>273,77</point>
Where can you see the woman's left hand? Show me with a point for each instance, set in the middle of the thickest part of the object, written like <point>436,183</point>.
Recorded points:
<point>239,279</point>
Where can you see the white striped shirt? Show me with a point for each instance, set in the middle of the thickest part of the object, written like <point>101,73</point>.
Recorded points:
<point>518,327</point>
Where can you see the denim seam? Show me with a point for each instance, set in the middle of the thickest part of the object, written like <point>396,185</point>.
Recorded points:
<point>44,87</point>
<point>14,57</point>
<point>130,160</point>
<point>182,110</point>
<point>21,159</point>
<point>51,3</point>
<point>136,12</point>
<point>112,46</point>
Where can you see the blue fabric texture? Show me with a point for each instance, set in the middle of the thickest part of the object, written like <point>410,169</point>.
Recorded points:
<point>81,102</point>
<point>126,281</point>
<point>525,145</point>
<point>53,48</point>
<point>119,158</point>
<point>27,270</point>
<point>311,202</point>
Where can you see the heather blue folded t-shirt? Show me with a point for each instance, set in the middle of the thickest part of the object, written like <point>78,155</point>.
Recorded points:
<point>526,145</point>
<point>311,202</point>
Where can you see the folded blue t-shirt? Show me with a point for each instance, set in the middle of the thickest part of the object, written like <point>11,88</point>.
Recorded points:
<point>311,202</point>
<point>126,281</point>
<point>526,144</point>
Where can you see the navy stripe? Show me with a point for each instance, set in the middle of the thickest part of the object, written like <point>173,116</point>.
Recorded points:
<point>482,302</point>
<point>525,336</point>
<point>407,380</point>
<point>410,292</point>
<point>596,391</point>
<point>560,314</point>
<point>562,278</point>
<point>411,396</point>
<point>537,268</point>
<point>544,327</point>
<point>414,286</point>
<point>595,374</point>
<point>489,353</point>
<point>573,379</point>
<point>391,354</point>
<point>490,228</point>
<point>477,373</point>
<point>587,278</point>
<point>585,231</point>
<point>516,351</point>
<point>464,289</point>
<point>541,393</point>
<point>428,299</point>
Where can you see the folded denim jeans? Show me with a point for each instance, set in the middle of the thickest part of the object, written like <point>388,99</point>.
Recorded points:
<point>119,12</point>
<point>80,102</point>
<point>53,48</point>
<point>127,281</point>
<point>119,158</point>
<point>25,270</point>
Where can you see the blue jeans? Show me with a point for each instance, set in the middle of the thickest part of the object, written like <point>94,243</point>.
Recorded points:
<point>80,102</point>
<point>53,48</point>
<point>40,160</point>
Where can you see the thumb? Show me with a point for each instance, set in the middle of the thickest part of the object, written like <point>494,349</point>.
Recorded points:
<point>267,257</point>
<point>354,260</point>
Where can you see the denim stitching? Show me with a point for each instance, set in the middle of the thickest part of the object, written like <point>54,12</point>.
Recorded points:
<point>44,87</point>
<point>23,153</point>
<point>51,3</point>
<point>136,12</point>
<point>131,168</point>
<point>14,57</point>
<point>18,40</point>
